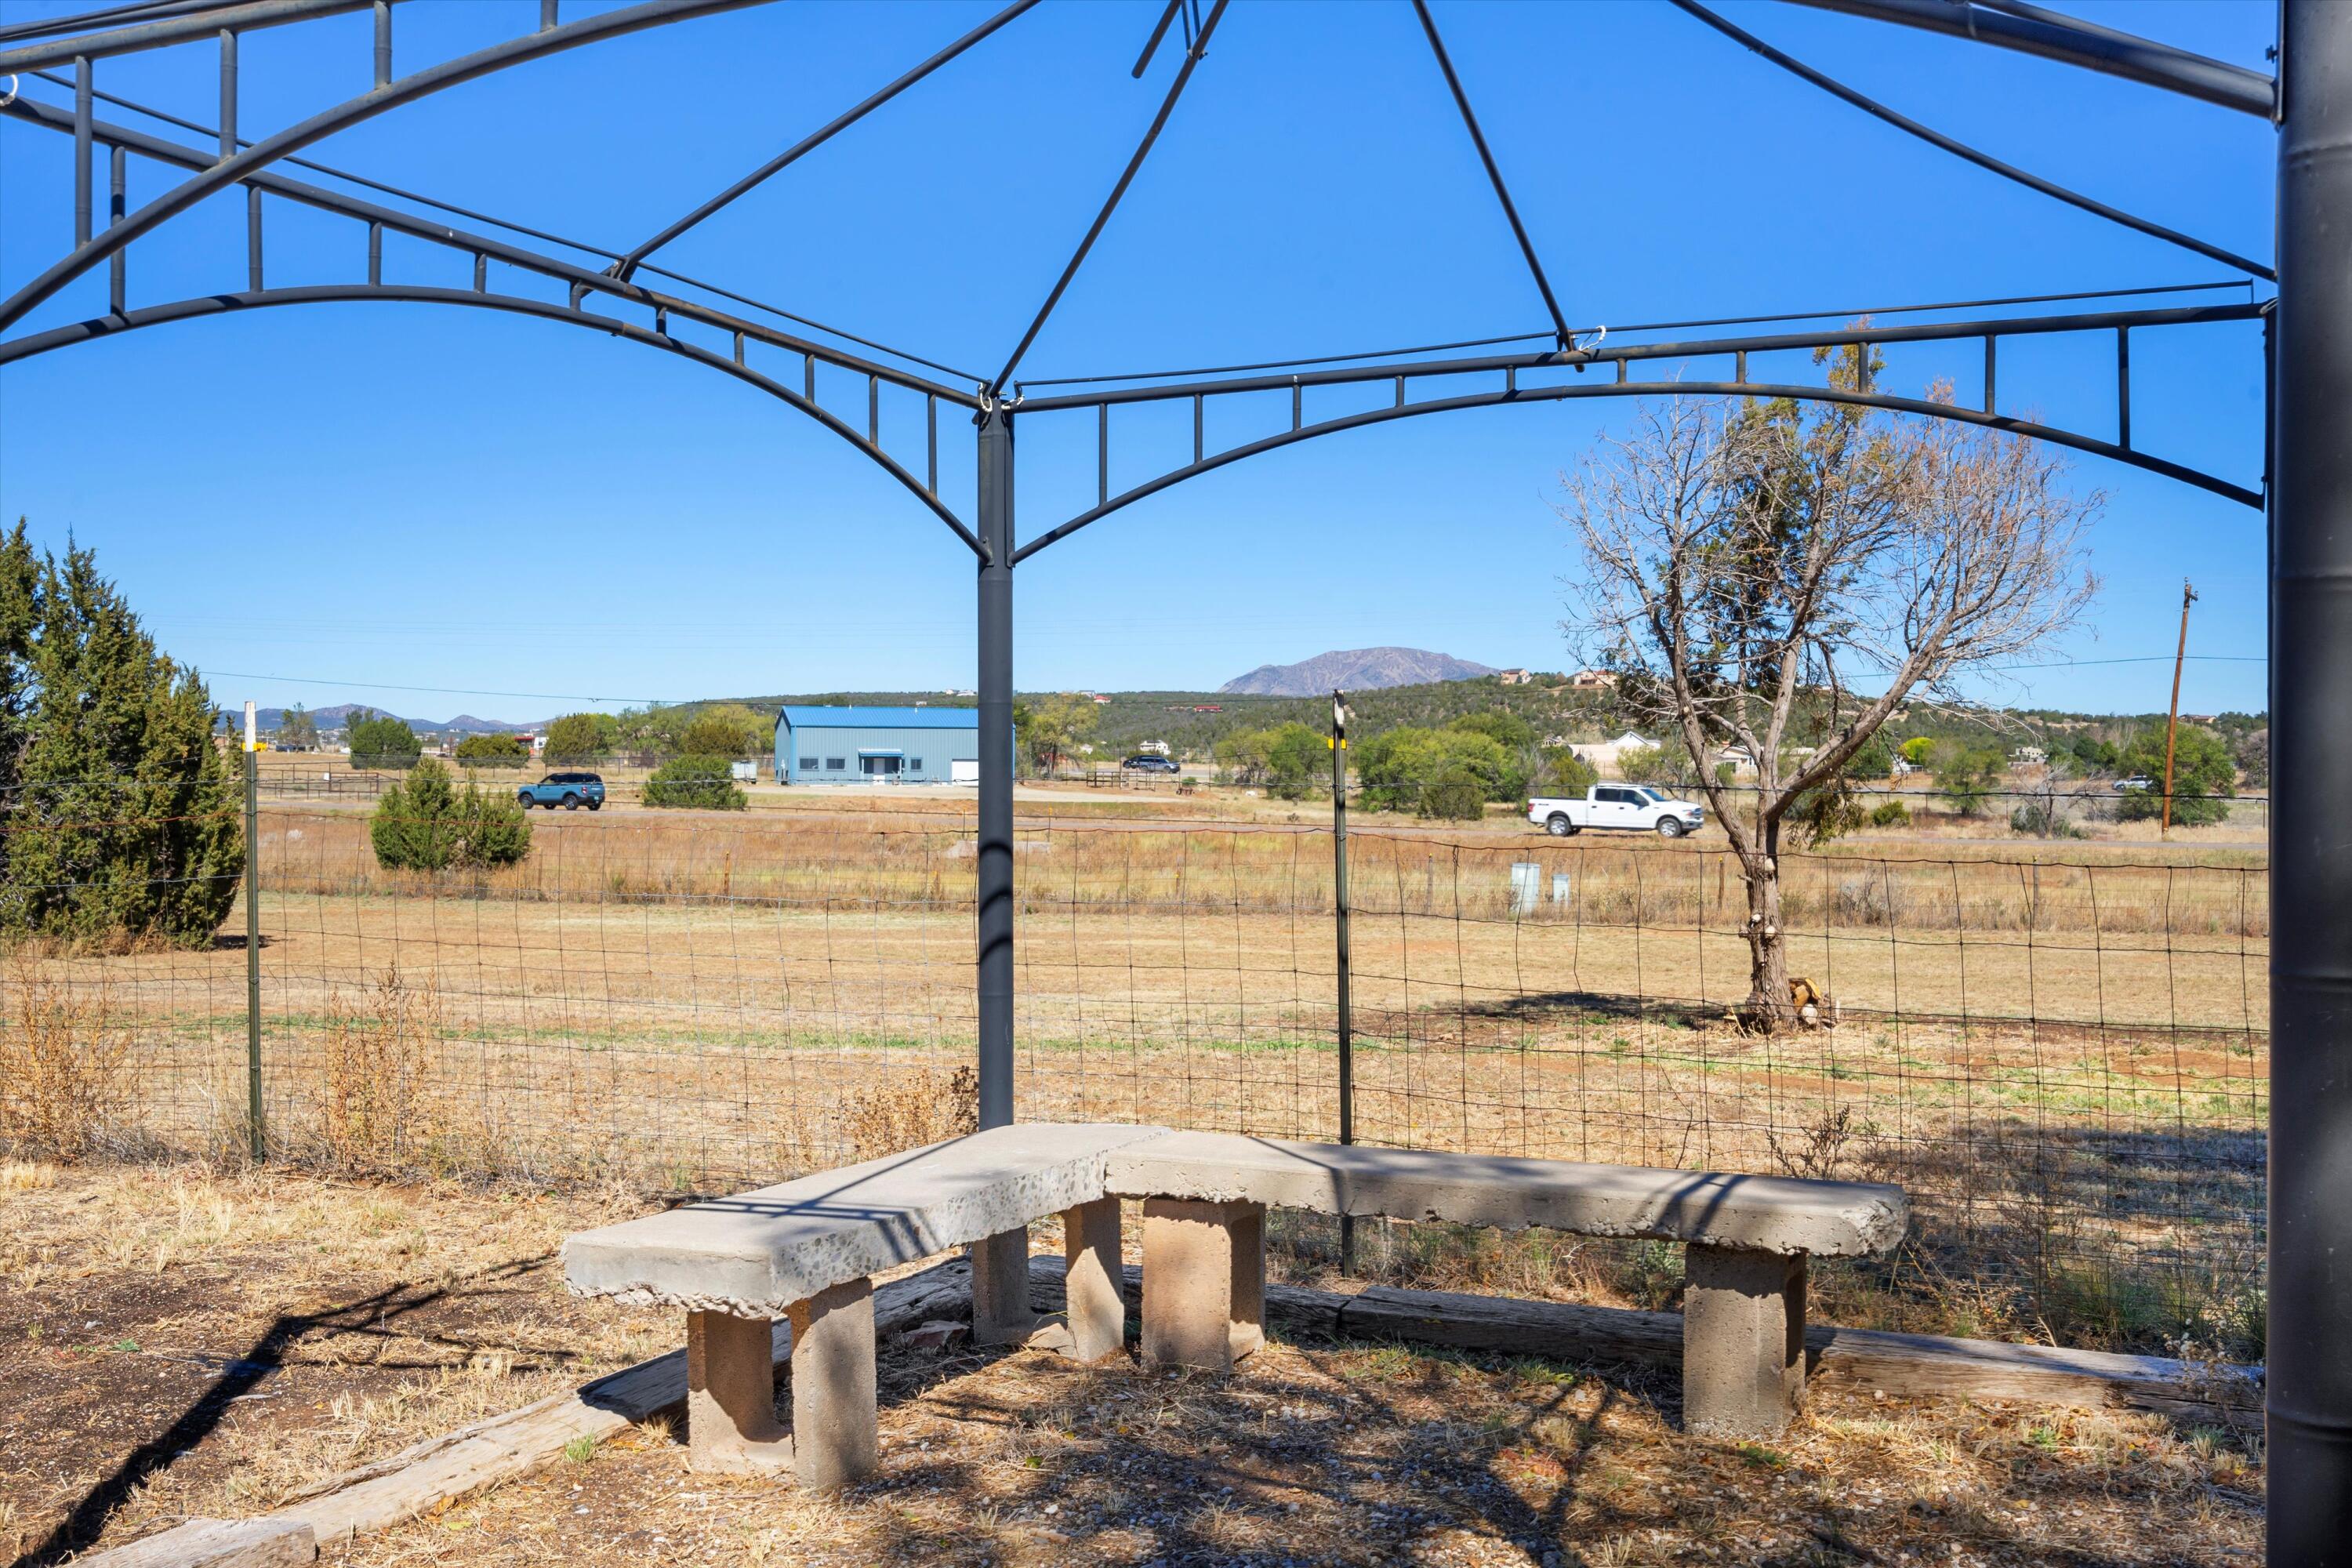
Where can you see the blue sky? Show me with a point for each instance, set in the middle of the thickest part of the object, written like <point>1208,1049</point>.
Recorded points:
<point>341,502</point>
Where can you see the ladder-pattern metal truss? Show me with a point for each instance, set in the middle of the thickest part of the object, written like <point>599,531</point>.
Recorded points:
<point>597,295</point>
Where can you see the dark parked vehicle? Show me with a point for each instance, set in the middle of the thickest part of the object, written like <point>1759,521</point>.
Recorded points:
<point>570,791</point>
<point>1145,762</point>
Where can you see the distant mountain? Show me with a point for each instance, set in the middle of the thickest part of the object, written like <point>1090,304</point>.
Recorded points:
<point>336,717</point>
<point>1359,670</point>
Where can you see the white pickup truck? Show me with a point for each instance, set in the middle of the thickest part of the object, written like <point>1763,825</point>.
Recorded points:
<point>1630,808</point>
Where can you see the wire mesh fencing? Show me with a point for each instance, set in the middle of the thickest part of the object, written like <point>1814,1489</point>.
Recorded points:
<point>2060,1053</point>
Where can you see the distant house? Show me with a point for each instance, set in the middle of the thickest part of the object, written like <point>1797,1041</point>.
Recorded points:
<point>2028,757</point>
<point>1513,677</point>
<point>1593,681</point>
<point>876,745</point>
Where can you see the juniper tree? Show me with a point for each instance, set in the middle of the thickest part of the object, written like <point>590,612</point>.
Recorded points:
<point>120,814</point>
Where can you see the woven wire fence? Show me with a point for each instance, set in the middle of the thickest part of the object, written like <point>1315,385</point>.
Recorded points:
<point>2060,1053</point>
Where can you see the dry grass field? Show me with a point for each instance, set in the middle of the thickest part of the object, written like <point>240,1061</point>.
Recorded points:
<point>2063,1058</point>
<point>182,1341</point>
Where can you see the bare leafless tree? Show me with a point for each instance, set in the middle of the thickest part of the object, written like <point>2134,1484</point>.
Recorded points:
<point>1749,566</point>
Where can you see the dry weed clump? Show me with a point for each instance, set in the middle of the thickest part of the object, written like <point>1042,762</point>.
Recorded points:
<point>25,1176</point>
<point>373,1110</point>
<point>909,1110</point>
<point>63,1061</point>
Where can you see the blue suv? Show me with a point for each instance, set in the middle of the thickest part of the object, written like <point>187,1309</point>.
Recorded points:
<point>570,791</point>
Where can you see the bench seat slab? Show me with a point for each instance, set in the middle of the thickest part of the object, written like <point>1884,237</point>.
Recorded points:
<point>1760,1214</point>
<point>1743,1341</point>
<point>755,1253</point>
<point>1203,1282</point>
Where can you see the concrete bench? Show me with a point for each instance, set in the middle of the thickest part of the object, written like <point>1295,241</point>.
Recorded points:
<point>1746,1239</point>
<point>806,1251</point>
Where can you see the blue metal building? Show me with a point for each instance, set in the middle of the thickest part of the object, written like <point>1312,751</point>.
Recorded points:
<point>878,745</point>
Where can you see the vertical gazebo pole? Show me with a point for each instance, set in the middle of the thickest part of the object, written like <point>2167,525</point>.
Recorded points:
<point>1000,1266</point>
<point>2309,1395</point>
<point>994,893</point>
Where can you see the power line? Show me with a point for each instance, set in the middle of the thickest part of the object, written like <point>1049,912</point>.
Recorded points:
<point>448,690</point>
<point>2140,659</point>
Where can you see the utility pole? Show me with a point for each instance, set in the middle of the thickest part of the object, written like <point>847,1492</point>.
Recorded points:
<point>1339,908</point>
<point>2172,723</point>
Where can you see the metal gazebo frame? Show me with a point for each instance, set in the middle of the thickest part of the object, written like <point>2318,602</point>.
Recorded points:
<point>2306,488</point>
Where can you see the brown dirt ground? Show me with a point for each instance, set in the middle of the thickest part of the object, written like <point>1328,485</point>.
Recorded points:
<point>177,1342</point>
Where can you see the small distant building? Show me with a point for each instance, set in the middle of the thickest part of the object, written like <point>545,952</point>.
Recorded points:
<point>876,745</point>
<point>2028,757</point>
<point>1593,681</point>
<point>1513,677</point>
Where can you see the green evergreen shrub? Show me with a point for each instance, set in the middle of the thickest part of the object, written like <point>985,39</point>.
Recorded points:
<point>493,752</point>
<point>415,827</point>
<point>1397,767</point>
<point>2204,778</point>
<point>120,819</point>
<point>379,741</point>
<point>493,826</point>
<point>1456,794</point>
<point>580,738</point>
<point>426,823</point>
<point>703,783</point>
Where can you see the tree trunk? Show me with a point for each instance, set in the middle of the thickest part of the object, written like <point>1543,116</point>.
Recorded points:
<point>1768,1008</point>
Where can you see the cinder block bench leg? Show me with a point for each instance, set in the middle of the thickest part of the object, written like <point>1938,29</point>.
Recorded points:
<point>1743,1341</point>
<point>833,1441</point>
<point>1203,1282</point>
<point>1245,1318</point>
<point>1000,1312</point>
<point>730,1396</point>
<point>1098,1308</point>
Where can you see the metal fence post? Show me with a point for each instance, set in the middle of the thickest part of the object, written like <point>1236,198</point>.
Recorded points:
<point>1339,932</point>
<point>253,940</point>
<point>2308,1399</point>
